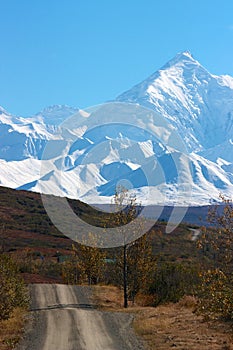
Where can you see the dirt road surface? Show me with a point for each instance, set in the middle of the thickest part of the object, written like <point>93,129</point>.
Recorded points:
<point>63,318</point>
<point>196,233</point>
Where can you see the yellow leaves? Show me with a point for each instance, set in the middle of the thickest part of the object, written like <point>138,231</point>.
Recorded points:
<point>216,241</point>
<point>216,294</point>
<point>12,291</point>
<point>91,259</point>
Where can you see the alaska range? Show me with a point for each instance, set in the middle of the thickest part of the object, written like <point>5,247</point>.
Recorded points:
<point>196,103</point>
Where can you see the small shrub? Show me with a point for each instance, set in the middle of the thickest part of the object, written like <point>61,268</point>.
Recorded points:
<point>215,292</point>
<point>171,281</point>
<point>12,290</point>
<point>216,244</point>
<point>188,301</point>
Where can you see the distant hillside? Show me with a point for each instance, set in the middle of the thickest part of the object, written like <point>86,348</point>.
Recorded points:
<point>23,216</point>
<point>24,222</point>
<point>26,232</point>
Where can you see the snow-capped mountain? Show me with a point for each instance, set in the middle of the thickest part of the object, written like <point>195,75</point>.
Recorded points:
<point>55,115</point>
<point>194,103</point>
<point>197,103</point>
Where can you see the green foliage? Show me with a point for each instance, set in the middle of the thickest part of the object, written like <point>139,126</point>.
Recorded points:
<point>12,290</point>
<point>171,281</point>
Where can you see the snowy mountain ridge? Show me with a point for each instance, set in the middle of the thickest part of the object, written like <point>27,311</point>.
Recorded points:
<point>199,105</point>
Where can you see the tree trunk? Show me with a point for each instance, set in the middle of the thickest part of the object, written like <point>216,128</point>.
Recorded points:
<point>125,277</point>
<point>89,279</point>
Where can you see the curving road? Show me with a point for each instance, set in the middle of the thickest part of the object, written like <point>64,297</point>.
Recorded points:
<point>64,319</point>
<point>196,233</point>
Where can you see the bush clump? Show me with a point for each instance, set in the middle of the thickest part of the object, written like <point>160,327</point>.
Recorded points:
<point>13,292</point>
<point>215,292</point>
<point>171,281</point>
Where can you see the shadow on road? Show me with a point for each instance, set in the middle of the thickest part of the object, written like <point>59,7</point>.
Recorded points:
<point>65,306</point>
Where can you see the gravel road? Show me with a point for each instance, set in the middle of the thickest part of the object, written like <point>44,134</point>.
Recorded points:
<point>196,233</point>
<point>62,318</point>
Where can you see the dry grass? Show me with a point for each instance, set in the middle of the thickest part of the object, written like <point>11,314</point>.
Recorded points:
<point>172,325</point>
<point>112,298</point>
<point>11,330</point>
<point>108,297</point>
<point>176,325</point>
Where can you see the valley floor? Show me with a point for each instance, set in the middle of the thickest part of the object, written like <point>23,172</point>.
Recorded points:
<point>172,325</point>
<point>176,326</point>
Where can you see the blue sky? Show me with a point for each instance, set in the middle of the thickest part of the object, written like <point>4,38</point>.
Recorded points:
<point>82,53</point>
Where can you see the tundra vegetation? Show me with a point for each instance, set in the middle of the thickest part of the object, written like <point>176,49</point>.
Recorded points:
<point>148,266</point>
<point>154,269</point>
<point>12,289</point>
<point>216,245</point>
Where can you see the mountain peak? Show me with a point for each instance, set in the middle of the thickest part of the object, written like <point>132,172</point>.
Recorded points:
<point>185,54</point>
<point>182,58</point>
<point>56,108</point>
<point>56,114</point>
<point>182,67</point>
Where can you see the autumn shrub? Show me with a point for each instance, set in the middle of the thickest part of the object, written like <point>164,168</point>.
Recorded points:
<point>91,259</point>
<point>171,281</point>
<point>215,294</point>
<point>72,272</point>
<point>216,245</point>
<point>13,292</point>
